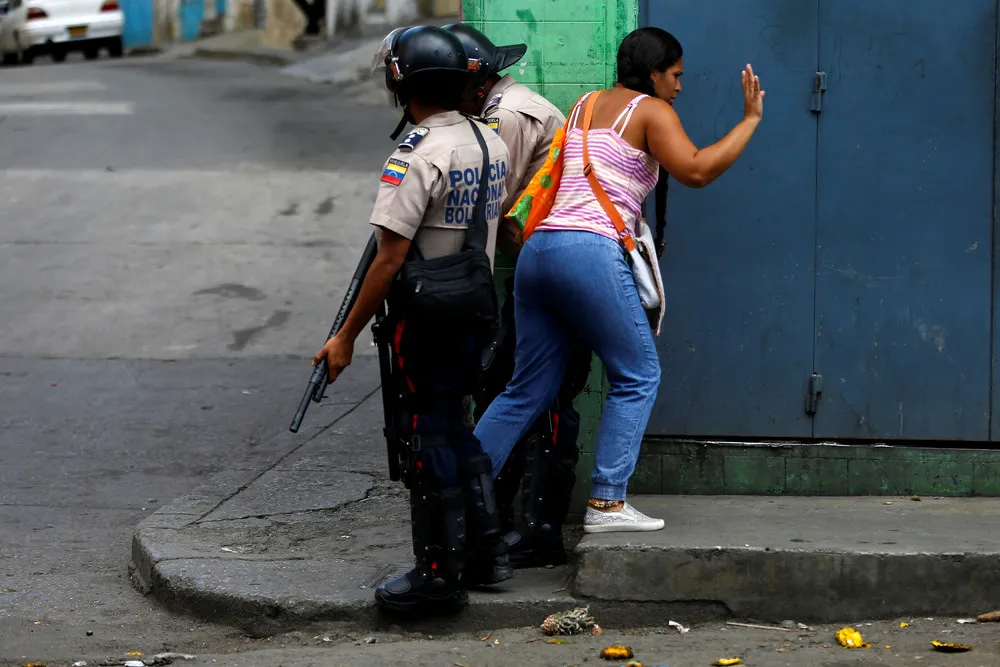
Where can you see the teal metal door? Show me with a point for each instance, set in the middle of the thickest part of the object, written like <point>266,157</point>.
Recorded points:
<point>905,225</point>
<point>838,281</point>
<point>737,346</point>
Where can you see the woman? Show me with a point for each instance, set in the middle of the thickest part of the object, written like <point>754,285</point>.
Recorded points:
<point>572,276</point>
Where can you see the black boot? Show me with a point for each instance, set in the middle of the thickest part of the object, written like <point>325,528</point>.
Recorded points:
<point>550,473</point>
<point>435,584</point>
<point>487,561</point>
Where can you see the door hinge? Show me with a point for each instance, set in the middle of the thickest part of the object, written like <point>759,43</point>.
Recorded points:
<point>819,87</point>
<point>813,392</point>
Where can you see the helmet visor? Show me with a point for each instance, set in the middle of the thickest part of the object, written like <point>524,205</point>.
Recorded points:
<point>508,55</point>
<point>384,49</point>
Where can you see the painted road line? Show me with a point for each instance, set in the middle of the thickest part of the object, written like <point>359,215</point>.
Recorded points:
<point>66,109</point>
<point>55,88</point>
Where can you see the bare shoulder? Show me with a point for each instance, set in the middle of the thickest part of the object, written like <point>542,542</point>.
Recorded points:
<point>654,106</point>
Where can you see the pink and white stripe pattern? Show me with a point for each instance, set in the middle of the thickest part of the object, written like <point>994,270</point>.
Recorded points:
<point>626,173</point>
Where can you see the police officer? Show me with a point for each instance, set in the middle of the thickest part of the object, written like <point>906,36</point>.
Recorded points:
<point>427,196</point>
<point>543,464</point>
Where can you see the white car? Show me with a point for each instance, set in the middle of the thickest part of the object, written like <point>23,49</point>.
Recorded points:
<point>56,27</point>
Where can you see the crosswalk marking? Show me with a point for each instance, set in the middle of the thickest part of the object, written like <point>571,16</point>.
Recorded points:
<point>57,87</point>
<point>66,109</point>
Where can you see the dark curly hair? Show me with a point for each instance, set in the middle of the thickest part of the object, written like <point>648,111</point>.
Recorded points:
<point>644,51</point>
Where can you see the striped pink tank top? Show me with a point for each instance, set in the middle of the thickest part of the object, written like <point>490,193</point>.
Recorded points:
<point>626,173</point>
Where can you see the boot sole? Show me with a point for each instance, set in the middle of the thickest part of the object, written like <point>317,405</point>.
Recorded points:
<point>446,605</point>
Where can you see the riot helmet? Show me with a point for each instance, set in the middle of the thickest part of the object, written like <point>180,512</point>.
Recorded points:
<point>426,62</point>
<point>486,57</point>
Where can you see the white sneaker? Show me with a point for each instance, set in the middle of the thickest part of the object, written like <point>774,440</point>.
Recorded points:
<point>628,520</point>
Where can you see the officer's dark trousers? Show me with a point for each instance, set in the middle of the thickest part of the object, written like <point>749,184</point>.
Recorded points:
<point>436,370</point>
<point>546,457</point>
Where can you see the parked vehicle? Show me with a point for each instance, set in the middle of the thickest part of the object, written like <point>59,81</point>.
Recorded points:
<point>56,27</point>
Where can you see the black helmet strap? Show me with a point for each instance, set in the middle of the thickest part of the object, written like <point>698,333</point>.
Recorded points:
<point>403,122</point>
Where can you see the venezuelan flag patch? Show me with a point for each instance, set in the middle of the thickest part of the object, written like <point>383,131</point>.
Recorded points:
<point>494,124</point>
<point>394,171</point>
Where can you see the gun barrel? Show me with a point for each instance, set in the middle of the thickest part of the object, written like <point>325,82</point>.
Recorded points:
<point>315,381</point>
<point>320,378</point>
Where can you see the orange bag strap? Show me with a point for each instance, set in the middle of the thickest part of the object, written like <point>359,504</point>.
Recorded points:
<point>588,171</point>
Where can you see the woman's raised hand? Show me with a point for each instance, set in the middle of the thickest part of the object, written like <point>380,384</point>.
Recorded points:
<point>753,96</point>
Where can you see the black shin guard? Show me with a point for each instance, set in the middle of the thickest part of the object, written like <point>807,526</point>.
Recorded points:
<point>506,487</point>
<point>487,562</point>
<point>550,473</point>
<point>439,544</point>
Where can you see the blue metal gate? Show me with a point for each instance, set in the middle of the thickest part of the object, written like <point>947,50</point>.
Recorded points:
<point>138,28</point>
<point>853,240</point>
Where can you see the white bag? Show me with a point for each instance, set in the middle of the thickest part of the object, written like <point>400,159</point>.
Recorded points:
<point>646,271</point>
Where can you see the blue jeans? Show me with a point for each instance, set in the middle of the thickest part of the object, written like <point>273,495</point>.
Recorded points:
<point>579,283</point>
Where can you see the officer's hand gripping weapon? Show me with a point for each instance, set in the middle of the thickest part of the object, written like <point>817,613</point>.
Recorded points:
<point>320,378</point>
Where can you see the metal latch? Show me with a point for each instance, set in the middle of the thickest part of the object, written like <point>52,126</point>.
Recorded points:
<point>819,87</point>
<point>813,393</point>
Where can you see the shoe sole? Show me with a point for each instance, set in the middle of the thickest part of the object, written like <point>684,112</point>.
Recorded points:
<point>624,527</point>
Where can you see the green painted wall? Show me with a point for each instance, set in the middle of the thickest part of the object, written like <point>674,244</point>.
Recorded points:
<point>571,43</point>
<point>572,48</point>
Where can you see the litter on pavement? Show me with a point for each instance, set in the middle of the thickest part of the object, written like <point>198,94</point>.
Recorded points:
<point>573,622</point>
<point>851,638</point>
<point>617,652</point>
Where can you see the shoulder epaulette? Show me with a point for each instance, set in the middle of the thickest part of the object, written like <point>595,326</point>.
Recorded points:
<point>494,101</point>
<point>411,140</point>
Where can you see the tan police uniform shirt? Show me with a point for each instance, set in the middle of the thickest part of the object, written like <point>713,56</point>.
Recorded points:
<point>527,123</point>
<point>429,185</point>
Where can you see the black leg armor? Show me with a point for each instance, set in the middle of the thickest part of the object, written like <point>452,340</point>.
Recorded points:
<point>439,541</point>
<point>543,464</point>
<point>448,475</point>
<point>551,453</point>
<point>488,562</point>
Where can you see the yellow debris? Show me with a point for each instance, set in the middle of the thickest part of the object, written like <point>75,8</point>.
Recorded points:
<point>617,652</point>
<point>725,662</point>
<point>904,624</point>
<point>950,648</point>
<point>851,638</point>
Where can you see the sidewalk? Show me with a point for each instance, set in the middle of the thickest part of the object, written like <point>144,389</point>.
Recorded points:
<point>271,545</point>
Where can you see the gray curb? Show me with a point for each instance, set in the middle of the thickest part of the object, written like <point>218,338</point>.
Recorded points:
<point>166,568</point>
<point>806,585</point>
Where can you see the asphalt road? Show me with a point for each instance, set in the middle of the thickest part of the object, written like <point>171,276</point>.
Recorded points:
<point>176,235</point>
